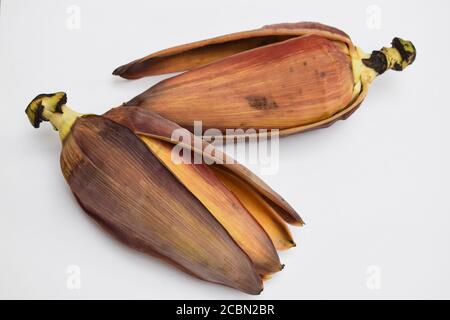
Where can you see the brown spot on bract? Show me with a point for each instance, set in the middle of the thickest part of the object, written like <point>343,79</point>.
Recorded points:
<point>261,103</point>
<point>305,63</point>
<point>323,74</point>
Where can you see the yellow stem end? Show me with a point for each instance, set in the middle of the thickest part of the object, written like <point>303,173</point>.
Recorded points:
<point>52,107</point>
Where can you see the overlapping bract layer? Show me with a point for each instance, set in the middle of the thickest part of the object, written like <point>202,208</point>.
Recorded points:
<point>217,222</point>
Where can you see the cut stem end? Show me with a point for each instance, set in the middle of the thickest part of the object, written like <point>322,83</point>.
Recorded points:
<point>398,57</point>
<point>52,107</point>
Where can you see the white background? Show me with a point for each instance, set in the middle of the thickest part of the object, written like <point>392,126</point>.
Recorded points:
<point>374,189</point>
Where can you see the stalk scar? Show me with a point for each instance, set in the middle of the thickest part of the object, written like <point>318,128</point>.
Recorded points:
<point>398,57</point>
<point>52,107</point>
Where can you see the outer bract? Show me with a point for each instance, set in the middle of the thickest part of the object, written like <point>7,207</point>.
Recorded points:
<point>292,77</point>
<point>219,223</point>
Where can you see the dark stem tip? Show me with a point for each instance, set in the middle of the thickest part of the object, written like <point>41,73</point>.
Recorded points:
<point>50,101</point>
<point>407,52</point>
